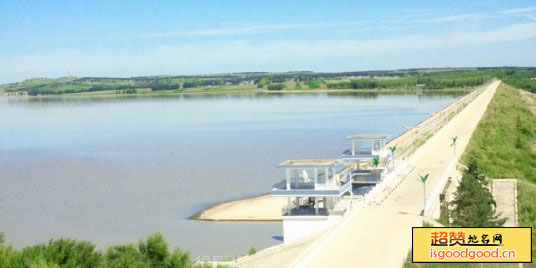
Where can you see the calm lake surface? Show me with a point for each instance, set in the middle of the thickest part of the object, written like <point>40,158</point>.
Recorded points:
<point>114,170</point>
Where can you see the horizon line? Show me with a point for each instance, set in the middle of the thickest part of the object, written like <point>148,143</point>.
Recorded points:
<point>274,72</point>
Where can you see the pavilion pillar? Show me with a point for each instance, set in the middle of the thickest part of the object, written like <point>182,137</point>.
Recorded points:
<point>288,178</point>
<point>333,176</point>
<point>315,176</point>
<point>289,208</point>
<point>326,176</point>
<point>353,147</point>
<point>351,195</point>
<point>316,205</point>
<point>297,182</point>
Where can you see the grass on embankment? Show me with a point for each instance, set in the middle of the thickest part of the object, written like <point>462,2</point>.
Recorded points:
<point>504,143</point>
<point>504,146</point>
<point>526,212</point>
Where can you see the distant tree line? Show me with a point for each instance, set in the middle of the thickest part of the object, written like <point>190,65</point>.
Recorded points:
<point>426,78</point>
<point>431,83</point>
<point>162,86</point>
<point>203,83</point>
<point>102,87</point>
<point>38,91</point>
<point>355,84</point>
<point>520,79</point>
<point>427,81</point>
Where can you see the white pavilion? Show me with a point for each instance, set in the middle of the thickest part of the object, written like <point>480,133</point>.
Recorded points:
<point>314,189</point>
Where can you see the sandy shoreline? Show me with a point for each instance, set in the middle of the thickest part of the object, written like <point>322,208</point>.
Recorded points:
<point>259,208</point>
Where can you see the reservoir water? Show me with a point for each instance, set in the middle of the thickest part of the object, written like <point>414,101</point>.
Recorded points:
<point>114,170</point>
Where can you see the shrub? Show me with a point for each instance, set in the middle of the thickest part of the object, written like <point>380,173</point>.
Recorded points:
<point>152,252</point>
<point>252,251</point>
<point>278,86</point>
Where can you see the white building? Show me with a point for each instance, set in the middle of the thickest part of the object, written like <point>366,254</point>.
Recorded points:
<point>367,158</point>
<point>366,147</point>
<point>319,192</point>
<point>314,189</point>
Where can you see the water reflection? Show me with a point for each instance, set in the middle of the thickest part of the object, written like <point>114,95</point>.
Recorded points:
<point>88,99</point>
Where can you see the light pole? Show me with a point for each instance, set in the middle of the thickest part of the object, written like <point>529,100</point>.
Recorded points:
<point>393,150</point>
<point>423,180</point>
<point>453,144</point>
<point>376,163</point>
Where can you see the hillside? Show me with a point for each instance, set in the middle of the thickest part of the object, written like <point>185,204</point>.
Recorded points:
<point>407,79</point>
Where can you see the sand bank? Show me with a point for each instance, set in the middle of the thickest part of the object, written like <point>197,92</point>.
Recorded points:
<point>259,208</point>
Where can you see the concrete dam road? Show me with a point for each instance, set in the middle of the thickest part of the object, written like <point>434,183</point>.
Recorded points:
<point>380,235</point>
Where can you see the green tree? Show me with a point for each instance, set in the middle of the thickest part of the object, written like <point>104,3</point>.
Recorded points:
<point>155,253</point>
<point>9,257</point>
<point>68,253</point>
<point>178,259</point>
<point>63,253</point>
<point>154,249</point>
<point>277,86</point>
<point>125,256</point>
<point>264,82</point>
<point>473,204</point>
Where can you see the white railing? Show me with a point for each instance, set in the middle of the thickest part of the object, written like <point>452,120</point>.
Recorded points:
<point>425,130</point>
<point>434,195</point>
<point>214,259</point>
<point>382,187</point>
<point>420,133</point>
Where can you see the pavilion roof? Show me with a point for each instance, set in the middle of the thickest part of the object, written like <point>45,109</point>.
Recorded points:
<point>368,137</point>
<point>308,163</point>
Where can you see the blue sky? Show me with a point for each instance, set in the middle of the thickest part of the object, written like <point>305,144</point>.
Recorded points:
<point>130,38</point>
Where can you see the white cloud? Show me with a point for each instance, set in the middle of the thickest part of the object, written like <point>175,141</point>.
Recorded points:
<point>245,28</point>
<point>221,31</point>
<point>236,29</point>
<point>519,10</point>
<point>477,17</point>
<point>246,55</point>
<point>459,18</point>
